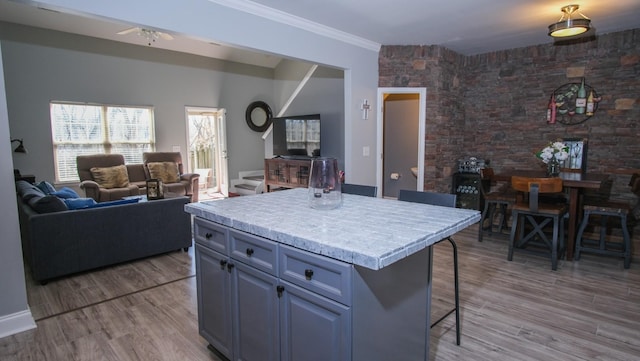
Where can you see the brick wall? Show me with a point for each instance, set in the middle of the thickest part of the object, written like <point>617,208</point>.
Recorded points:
<point>494,105</point>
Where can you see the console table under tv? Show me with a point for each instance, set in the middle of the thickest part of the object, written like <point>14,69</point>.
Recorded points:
<point>286,173</point>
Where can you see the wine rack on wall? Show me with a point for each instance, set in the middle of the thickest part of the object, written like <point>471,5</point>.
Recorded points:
<point>565,100</point>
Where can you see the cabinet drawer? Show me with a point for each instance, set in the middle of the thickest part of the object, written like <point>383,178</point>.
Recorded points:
<point>255,251</point>
<point>322,275</point>
<point>211,235</point>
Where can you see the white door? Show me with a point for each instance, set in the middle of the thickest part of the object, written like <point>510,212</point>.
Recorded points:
<point>206,132</point>
<point>386,140</point>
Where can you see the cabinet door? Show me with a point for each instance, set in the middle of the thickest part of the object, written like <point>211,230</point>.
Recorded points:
<point>214,299</point>
<point>256,315</point>
<point>313,328</point>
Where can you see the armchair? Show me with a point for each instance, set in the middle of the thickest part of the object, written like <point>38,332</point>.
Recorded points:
<point>163,164</point>
<point>104,177</point>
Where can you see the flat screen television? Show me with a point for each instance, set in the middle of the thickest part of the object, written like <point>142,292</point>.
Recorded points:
<point>296,136</point>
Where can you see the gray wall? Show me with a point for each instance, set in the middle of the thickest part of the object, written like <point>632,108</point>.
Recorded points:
<point>13,301</point>
<point>324,94</point>
<point>41,66</point>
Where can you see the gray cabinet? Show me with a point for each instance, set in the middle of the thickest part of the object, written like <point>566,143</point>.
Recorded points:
<point>250,308</point>
<point>214,299</point>
<point>256,315</point>
<point>313,328</point>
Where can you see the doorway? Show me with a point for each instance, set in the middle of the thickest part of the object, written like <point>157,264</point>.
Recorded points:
<point>206,133</point>
<point>401,139</point>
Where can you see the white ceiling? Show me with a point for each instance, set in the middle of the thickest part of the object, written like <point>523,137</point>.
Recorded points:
<point>467,27</point>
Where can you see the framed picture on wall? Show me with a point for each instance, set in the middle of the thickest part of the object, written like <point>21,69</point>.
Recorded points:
<point>577,161</point>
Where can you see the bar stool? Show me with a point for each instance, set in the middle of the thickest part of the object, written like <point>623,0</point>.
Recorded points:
<point>605,211</point>
<point>538,215</point>
<point>359,189</point>
<point>496,203</point>
<point>445,200</point>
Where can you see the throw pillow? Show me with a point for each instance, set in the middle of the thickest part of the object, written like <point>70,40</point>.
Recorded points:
<point>79,203</point>
<point>115,203</point>
<point>111,177</point>
<point>65,193</point>
<point>167,172</point>
<point>27,190</point>
<point>47,204</point>
<point>46,187</point>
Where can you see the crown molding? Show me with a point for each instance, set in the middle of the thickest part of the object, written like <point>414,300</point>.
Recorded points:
<point>260,10</point>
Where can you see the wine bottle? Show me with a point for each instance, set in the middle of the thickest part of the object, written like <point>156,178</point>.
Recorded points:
<point>590,103</point>
<point>551,110</point>
<point>581,99</point>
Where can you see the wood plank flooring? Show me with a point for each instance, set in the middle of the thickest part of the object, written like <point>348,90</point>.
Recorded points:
<point>519,310</point>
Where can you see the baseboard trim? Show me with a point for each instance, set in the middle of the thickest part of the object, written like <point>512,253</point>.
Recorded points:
<point>16,323</point>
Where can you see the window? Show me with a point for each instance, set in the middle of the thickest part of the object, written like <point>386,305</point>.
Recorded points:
<point>80,129</point>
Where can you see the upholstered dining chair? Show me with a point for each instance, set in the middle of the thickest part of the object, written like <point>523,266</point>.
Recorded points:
<point>444,200</point>
<point>534,216</point>
<point>359,189</point>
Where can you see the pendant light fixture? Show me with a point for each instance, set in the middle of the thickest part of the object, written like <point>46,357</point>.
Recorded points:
<point>567,26</point>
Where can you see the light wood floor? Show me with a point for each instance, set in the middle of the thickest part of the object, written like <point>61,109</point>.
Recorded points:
<point>519,310</point>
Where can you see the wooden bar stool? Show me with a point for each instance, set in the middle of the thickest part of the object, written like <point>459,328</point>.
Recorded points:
<point>496,203</point>
<point>607,212</point>
<point>538,216</point>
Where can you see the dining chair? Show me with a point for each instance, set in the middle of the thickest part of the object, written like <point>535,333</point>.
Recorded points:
<point>605,211</point>
<point>445,200</point>
<point>496,202</point>
<point>359,189</point>
<point>534,216</point>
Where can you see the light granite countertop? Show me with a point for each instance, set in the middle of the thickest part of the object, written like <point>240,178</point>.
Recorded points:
<point>365,231</point>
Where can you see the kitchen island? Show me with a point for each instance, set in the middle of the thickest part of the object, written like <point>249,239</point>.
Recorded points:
<point>278,280</point>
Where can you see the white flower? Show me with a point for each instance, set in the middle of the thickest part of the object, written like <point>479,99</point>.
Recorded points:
<point>555,150</point>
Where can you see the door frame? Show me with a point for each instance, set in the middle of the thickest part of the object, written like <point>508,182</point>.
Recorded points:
<point>422,101</point>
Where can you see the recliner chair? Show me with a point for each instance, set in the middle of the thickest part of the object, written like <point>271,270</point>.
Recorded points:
<point>185,184</point>
<point>94,188</point>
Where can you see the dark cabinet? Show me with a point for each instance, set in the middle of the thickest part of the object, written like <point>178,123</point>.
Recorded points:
<point>466,187</point>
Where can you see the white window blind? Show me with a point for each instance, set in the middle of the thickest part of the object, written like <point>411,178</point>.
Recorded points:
<point>81,129</point>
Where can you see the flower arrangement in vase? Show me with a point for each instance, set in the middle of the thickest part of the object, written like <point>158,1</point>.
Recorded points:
<point>552,155</point>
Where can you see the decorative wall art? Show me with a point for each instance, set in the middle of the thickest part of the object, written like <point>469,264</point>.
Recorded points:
<point>572,103</point>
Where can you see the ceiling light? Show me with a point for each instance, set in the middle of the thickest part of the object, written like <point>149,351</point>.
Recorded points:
<point>569,27</point>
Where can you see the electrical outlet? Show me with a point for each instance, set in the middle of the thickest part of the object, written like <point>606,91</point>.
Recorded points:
<point>365,151</point>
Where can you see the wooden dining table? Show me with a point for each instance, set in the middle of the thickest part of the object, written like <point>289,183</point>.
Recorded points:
<point>575,183</point>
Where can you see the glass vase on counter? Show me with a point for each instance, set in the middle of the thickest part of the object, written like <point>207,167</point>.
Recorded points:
<point>325,191</point>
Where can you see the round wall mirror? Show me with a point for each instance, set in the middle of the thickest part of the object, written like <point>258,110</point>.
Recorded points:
<point>258,116</point>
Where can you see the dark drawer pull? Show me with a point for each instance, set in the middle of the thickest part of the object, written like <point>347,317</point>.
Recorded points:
<point>249,252</point>
<point>230,267</point>
<point>208,235</point>
<point>280,289</point>
<point>223,263</point>
<point>308,273</point>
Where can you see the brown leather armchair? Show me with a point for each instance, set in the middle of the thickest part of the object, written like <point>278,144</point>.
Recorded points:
<point>95,183</point>
<point>186,184</point>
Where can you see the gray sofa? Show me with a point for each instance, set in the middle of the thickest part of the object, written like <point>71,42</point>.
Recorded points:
<point>60,242</point>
